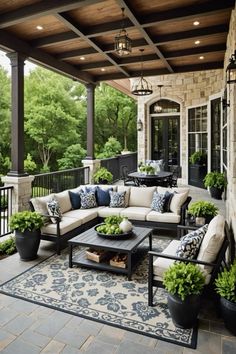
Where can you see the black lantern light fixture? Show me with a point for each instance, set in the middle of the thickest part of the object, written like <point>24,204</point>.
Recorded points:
<point>231,70</point>
<point>123,45</point>
<point>157,108</point>
<point>139,125</point>
<point>143,87</point>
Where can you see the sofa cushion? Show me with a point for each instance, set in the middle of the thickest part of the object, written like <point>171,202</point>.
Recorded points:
<point>212,241</point>
<point>63,199</point>
<point>127,193</point>
<point>54,210</point>
<point>40,203</point>
<point>135,213</point>
<point>117,199</point>
<point>103,196</point>
<point>107,211</point>
<point>141,196</point>
<point>84,215</point>
<point>75,200</point>
<point>88,200</point>
<point>160,265</point>
<point>177,201</point>
<point>190,243</point>
<point>66,225</point>
<point>170,218</point>
<point>158,201</point>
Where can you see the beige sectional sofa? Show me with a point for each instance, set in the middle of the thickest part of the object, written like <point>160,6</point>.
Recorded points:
<point>137,208</point>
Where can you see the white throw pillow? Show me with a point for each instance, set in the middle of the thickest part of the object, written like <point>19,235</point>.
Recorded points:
<point>177,201</point>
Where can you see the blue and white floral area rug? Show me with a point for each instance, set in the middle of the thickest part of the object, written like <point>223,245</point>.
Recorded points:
<point>101,296</point>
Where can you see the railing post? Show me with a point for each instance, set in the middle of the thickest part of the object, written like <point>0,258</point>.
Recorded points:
<point>21,193</point>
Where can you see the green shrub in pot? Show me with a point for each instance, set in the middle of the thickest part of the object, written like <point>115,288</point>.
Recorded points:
<point>203,209</point>
<point>217,182</point>
<point>184,283</point>
<point>226,288</point>
<point>103,176</point>
<point>26,225</point>
<point>198,158</point>
<point>149,170</point>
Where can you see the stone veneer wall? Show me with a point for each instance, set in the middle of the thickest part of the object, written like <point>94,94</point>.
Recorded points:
<point>231,171</point>
<point>188,89</point>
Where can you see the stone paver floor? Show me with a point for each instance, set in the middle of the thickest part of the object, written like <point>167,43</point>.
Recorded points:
<point>27,328</point>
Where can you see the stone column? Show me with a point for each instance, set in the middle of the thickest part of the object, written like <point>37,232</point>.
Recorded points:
<point>22,190</point>
<point>93,166</point>
<point>17,115</point>
<point>90,121</point>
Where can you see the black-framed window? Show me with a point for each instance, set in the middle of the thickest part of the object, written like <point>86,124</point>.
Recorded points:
<point>215,134</point>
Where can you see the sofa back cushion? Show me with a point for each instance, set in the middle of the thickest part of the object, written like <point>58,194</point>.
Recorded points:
<point>141,196</point>
<point>177,201</point>
<point>40,203</point>
<point>63,199</point>
<point>212,241</point>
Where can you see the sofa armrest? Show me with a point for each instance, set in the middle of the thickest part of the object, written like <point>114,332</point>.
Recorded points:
<point>183,210</point>
<point>175,258</point>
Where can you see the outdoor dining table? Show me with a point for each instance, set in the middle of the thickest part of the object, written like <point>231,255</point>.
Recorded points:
<point>162,178</point>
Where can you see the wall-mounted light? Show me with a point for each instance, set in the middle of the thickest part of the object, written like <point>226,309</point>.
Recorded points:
<point>139,125</point>
<point>231,70</point>
<point>224,101</point>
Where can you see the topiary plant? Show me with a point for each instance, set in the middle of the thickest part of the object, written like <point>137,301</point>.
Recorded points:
<point>226,283</point>
<point>203,209</point>
<point>184,279</point>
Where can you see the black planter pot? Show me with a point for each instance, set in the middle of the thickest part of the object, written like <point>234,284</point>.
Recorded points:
<point>228,311</point>
<point>102,181</point>
<point>27,244</point>
<point>184,313</point>
<point>216,193</point>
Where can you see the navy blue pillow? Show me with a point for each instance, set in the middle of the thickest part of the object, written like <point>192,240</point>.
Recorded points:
<point>75,200</point>
<point>90,189</point>
<point>103,196</point>
<point>168,197</point>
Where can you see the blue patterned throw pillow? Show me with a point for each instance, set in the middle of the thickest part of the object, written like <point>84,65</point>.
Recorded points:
<point>88,200</point>
<point>158,201</point>
<point>117,199</point>
<point>54,210</point>
<point>190,243</point>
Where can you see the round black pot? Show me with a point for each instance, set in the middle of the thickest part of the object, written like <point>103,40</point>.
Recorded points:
<point>27,244</point>
<point>102,181</point>
<point>184,313</point>
<point>228,311</point>
<point>216,193</point>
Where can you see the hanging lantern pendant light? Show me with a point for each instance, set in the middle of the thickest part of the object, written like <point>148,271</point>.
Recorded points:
<point>123,45</point>
<point>157,107</point>
<point>143,87</point>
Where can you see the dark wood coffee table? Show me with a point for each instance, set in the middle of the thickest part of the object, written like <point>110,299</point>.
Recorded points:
<point>129,246</point>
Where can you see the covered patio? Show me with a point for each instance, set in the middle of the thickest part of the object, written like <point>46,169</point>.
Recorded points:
<point>186,47</point>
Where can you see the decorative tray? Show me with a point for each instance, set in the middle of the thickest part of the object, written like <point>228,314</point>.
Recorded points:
<point>123,236</point>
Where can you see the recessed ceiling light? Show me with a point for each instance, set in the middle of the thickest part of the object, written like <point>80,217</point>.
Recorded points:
<point>201,57</point>
<point>197,42</point>
<point>103,69</point>
<point>82,58</point>
<point>196,23</point>
<point>40,28</point>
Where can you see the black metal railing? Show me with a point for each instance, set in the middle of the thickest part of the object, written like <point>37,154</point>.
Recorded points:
<point>54,182</point>
<point>115,164</point>
<point>5,209</point>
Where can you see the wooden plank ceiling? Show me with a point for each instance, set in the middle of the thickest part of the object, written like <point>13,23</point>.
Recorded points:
<point>77,37</point>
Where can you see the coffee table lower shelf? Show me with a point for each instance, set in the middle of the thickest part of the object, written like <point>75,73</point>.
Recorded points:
<point>81,260</point>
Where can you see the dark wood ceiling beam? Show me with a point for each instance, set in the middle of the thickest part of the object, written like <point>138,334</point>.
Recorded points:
<point>53,39</point>
<point>135,44</point>
<point>99,64</point>
<point>68,21</point>
<point>130,13</point>
<point>196,33</point>
<point>188,12</point>
<point>40,9</point>
<point>106,28</point>
<point>12,43</point>
<point>200,67</point>
<point>134,74</point>
<point>197,50</point>
<point>76,53</point>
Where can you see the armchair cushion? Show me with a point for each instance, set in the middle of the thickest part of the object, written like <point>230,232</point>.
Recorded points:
<point>190,243</point>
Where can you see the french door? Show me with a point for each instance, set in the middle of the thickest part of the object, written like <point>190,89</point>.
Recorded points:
<point>165,140</point>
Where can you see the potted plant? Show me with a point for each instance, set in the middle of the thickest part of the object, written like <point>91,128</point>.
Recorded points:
<point>202,211</point>
<point>197,168</point>
<point>226,288</point>
<point>216,181</point>
<point>149,170</point>
<point>26,225</point>
<point>184,283</point>
<point>103,176</point>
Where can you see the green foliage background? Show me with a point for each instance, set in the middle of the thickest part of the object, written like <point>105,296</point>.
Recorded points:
<point>55,122</point>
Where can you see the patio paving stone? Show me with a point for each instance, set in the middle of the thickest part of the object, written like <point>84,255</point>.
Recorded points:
<point>53,324</point>
<point>20,347</point>
<point>72,336</point>
<point>6,315</point>
<point>35,338</point>
<point>5,339</point>
<point>228,346</point>
<point>137,338</point>
<point>19,324</point>
<point>97,346</point>
<point>53,347</point>
<point>208,343</point>
<point>130,347</point>
<point>70,350</point>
